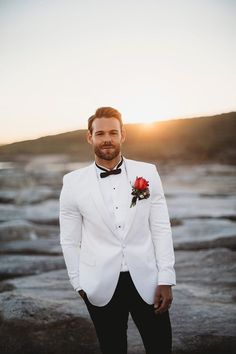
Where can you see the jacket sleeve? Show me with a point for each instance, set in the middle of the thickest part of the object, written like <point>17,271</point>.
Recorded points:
<point>70,232</point>
<point>161,232</point>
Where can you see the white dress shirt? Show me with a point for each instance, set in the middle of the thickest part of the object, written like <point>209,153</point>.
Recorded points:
<point>113,189</point>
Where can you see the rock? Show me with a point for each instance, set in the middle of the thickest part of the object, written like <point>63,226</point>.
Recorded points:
<point>182,206</point>
<point>43,213</point>
<point>22,175</point>
<point>203,313</point>
<point>212,269</point>
<point>200,325</point>
<point>46,304</point>
<point>9,212</point>
<point>7,197</point>
<point>21,265</point>
<point>30,325</point>
<point>24,230</point>
<point>6,287</point>
<point>205,179</point>
<point>204,234</point>
<point>46,213</point>
<point>15,178</point>
<point>51,313</point>
<point>36,195</point>
<point>175,222</point>
<point>29,195</point>
<point>227,242</point>
<point>38,246</point>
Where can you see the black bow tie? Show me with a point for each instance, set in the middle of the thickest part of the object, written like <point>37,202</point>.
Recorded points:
<point>107,173</point>
<point>112,172</point>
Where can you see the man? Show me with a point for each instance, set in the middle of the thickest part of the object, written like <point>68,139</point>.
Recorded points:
<point>116,240</point>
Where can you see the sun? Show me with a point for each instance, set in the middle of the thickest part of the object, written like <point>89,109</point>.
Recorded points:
<point>148,124</point>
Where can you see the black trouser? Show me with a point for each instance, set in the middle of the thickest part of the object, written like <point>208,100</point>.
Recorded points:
<point>110,321</point>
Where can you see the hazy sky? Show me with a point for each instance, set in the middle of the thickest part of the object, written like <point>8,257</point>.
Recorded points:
<point>152,60</point>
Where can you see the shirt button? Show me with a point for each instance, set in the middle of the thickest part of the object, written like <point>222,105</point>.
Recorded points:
<point>116,207</point>
<point>119,226</point>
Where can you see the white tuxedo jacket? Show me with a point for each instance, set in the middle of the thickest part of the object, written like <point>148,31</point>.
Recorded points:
<point>92,247</point>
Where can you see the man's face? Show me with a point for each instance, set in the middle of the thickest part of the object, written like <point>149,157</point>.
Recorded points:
<point>106,138</point>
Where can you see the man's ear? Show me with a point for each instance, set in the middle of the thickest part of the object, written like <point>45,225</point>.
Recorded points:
<point>123,134</point>
<point>89,137</point>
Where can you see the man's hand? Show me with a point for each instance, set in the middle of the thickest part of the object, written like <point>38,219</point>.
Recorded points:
<point>163,298</point>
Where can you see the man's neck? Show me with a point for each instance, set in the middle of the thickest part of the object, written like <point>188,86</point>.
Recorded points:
<point>108,164</point>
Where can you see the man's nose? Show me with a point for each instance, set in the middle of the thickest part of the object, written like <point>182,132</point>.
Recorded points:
<point>107,138</point>
<point>107,142</point>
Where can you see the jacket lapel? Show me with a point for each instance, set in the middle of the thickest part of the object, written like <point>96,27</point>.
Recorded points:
<point>131,174</point>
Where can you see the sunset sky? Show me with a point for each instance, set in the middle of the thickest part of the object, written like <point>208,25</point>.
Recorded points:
<point>152,60</point>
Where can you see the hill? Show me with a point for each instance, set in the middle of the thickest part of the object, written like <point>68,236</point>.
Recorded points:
<point>203,139</point>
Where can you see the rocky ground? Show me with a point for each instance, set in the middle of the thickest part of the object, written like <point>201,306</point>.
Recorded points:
<point>39,311</point>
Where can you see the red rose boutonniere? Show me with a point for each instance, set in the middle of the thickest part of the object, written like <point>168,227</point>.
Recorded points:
<point>139,190</point>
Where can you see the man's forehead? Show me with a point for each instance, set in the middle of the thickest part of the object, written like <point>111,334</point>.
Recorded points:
<point>106,124</point>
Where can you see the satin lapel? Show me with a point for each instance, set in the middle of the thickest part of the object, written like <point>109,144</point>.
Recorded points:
<point>132,211</point>
<point>98,200</point>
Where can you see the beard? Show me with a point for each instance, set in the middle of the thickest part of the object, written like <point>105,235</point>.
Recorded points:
<point>107,151</point>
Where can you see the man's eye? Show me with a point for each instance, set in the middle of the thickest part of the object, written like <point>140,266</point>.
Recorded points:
<point>114,133</point>
<point>98,133</point>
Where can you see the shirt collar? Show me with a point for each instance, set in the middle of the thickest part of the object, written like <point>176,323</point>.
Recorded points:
<point>105,168</point>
